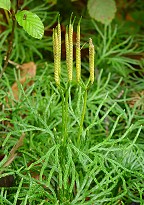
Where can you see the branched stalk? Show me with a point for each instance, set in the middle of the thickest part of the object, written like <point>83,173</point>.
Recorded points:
<point>82,116</point>
<point>64,92</point>
<point>65,113</point>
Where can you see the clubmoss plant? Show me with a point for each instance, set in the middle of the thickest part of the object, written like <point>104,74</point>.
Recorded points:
<point>83,143</point>
<point>69,62</point>
<point>57,165</point>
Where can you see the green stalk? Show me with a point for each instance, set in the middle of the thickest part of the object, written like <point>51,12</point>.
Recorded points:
<point>82,116</point>
<point>65,114</point>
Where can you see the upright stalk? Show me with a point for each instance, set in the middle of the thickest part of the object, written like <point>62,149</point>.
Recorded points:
<point>65,113</point>
<point>64,92</point>
<point>82,116</point>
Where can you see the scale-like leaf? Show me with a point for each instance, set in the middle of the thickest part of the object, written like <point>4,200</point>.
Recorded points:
<point>31,23</point>
<point>5,4</point>
<point>102,10</point>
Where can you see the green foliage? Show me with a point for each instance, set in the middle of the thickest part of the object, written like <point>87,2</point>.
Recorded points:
<point>22,42</point>
<point>83,145</point>
<point>5,4</point>
<point>21,51</point>
<point>101,10</point>
<point>113,50</point>
<point>104,167</point>
<point>31,23</point>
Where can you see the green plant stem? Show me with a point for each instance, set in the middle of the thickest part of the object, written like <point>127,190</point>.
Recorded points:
<point>82,116</point>
<point>64,96</point>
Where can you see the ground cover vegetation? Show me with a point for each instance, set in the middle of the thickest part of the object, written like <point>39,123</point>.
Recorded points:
<point>72,105</point>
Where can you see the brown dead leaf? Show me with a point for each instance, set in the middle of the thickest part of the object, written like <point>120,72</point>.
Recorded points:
<point>137,98</point>
<point>27,72</point>
<point>129,17</point>
<point>8,180</point>
<point>13,153</point>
